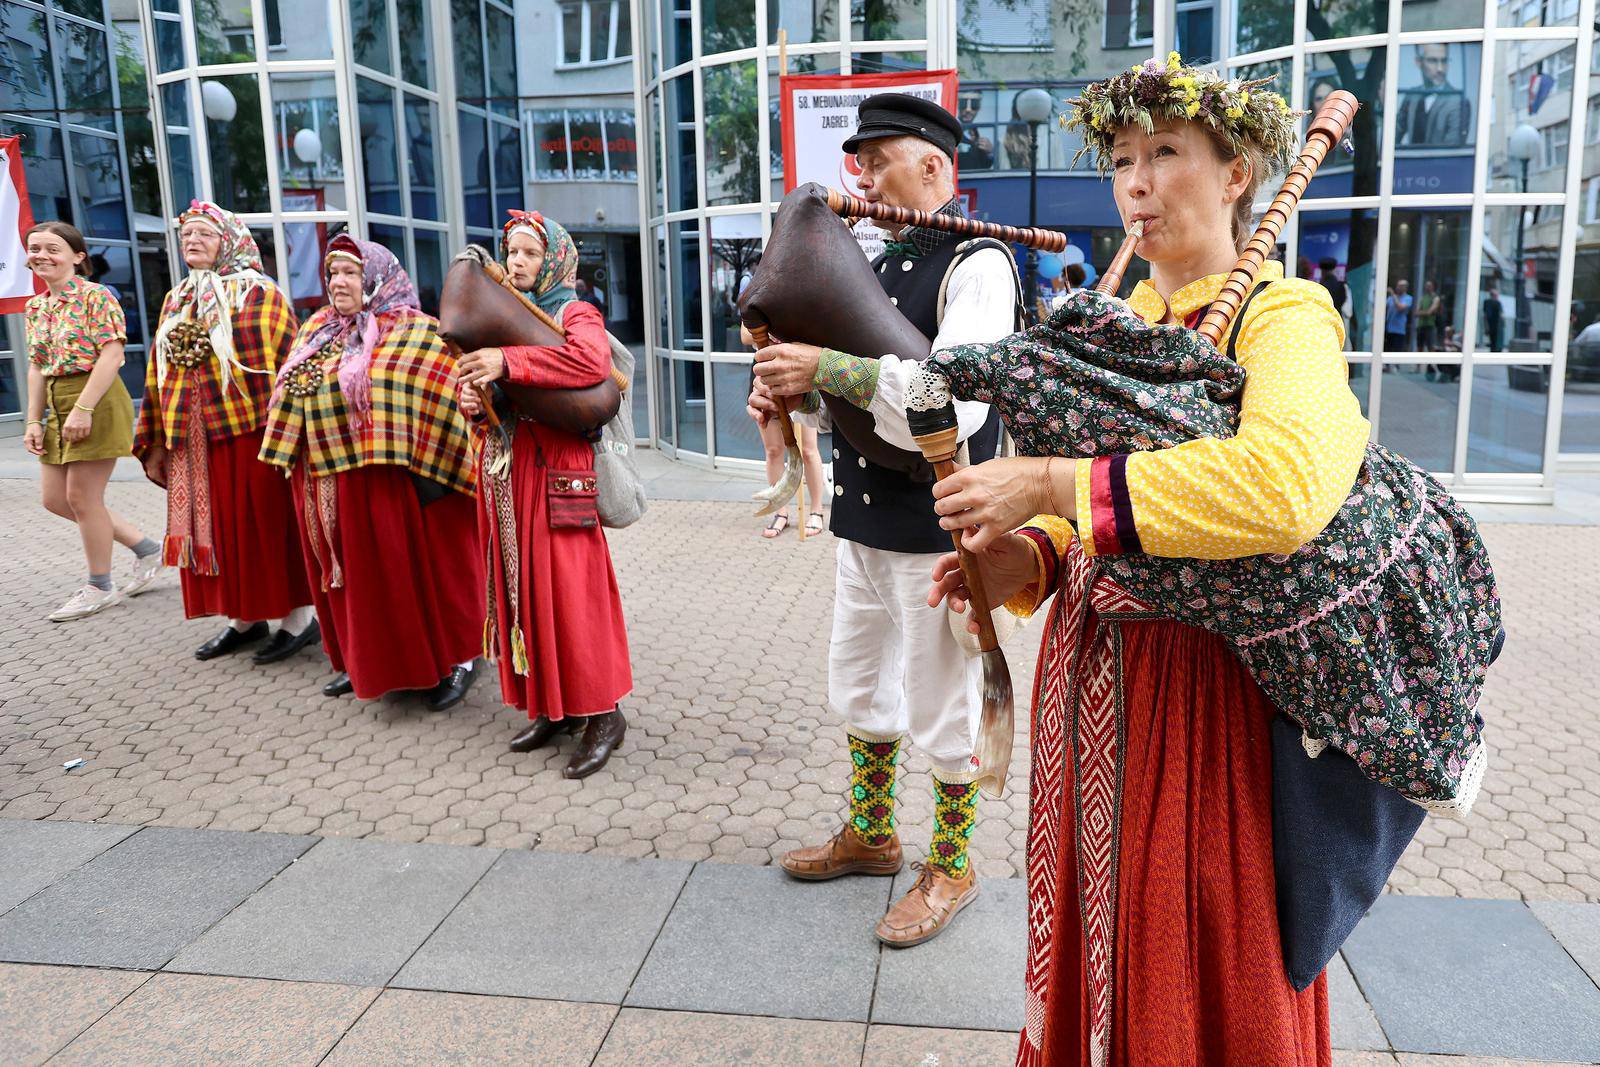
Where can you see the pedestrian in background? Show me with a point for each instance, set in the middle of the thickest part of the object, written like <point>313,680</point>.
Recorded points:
<point>80,416</point>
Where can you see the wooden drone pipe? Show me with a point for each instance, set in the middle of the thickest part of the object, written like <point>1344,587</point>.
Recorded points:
<point>1111,280</point>
<point>853,207</point>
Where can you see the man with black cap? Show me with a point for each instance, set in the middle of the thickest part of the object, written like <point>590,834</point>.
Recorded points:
<point>895,668</point>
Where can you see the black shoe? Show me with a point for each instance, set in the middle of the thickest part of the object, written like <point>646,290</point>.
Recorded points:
<point>231,640</point>
<point>601,736</point>
<point>452,688</point>
<point>339,686</point>
<point>542,731</point>
<point>284,644</point>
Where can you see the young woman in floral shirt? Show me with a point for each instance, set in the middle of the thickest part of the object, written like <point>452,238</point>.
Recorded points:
<point>80,416</point>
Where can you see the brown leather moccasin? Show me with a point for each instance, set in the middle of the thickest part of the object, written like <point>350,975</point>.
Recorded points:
<point>928,908</point>
<point>845,853</point>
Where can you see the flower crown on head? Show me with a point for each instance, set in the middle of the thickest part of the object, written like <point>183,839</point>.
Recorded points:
<point>1243,113</point>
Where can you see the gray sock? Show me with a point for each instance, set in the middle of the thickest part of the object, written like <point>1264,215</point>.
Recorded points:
<point>147,548</point>
<point>101,582</point>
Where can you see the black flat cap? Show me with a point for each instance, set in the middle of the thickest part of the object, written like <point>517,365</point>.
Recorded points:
<point>902,115</point>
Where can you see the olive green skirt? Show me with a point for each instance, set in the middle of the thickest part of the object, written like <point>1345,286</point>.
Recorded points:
<point>110,437</point>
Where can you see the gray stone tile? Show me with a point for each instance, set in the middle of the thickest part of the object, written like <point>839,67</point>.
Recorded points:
<point>689,1039</point>
<point>1576,927</point>
<point>406,1028</point>
<point>348,911</point>
<point>967,978</point>
<point>137,904</point>
<point>1354,1024</point>
<point>909,1046</point>
<point>39,853</point>
<point>549,924</point>
<point>44,1008</point>
<point>193,1019</point>
<point>1473,977</point>
<point>751,940</point>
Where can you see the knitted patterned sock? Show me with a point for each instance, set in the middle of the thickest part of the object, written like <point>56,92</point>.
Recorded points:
<point>955,815</point>
<point>872,788</point>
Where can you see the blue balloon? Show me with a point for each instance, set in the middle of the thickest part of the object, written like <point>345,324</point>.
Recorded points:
<point>1050,266</point>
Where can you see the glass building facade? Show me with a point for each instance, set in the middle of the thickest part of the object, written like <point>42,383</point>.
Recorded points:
<point>1473,188</point>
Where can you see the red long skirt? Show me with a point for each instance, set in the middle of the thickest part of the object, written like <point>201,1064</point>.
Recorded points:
<point>1198,965</point>
<point>576,640</point>
<point>411,606</point>
<point>259,571</point>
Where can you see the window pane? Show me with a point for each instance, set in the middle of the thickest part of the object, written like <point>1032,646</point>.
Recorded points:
<point>467,19</point>
<point>550,145</point>
<point>1580,406</point>
<point>169,45</point>
<point>1262,24</point>
<point>658,191</point>
<point>1436,126</point>
<point>380,161</point>
<point>308,242</point>
<point>226,33</point>
<point>85,74</point>
<point>1521,263</point>
<point>1505,431</point>
<point>733,160</point>
<point>416,60</point>
<point>502,63</point>
<point>25,59</point>
<point>737,435</point>
<point>1196,31</point>
<point>624,29</point>
<point>735,251</point>
<point>419,155</point>
<point>806,20</point>
<point>185,182</point>
<point>682,190</point>
<point>394,239</point>
<point>1359,71</point>
<point>429,275</point>
<point>306,111</point>
<point>665,428</point>
<point>897,20</point>
<point>1336,250</point>
<point>599,30</point>
<point>1425,247</point>
<point>677,30</point>
<point>138,124</point>
<point>726,25</point>
<point>97,166</point>
<point>304,29</point>
<point>572,33</point>
<point>622,146</point>
<point>1537,12</point>
<point>1328,19</point>
<point>689,381</point>
<point>112,267</point>
<point>686,327</point>
<point>1441,15</point>
<point>269,249</point>
<point>234,137</point>
<point>887,62</point>
<point>507,166</point>
<point>369,34</point>
<point>475,168</point>
<point>588,145</point>
<point>1418,417</point>
<point>1531,122</point>
<point>84,9</point>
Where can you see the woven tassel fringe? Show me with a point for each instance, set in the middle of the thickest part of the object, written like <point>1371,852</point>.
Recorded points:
<point>182,552</point>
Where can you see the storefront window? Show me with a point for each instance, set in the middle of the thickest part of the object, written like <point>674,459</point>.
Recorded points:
<point>1505,432</point>
<point>475,190</point>
<point>549,145</point>
<point>46,167</point>
<point>738,437</point>
<point>1336,251</point>
<point>306,113</point>
<point>1521,267</point>
<point>1419,416</point>
<point>380,160</point>
<point>733,161</point>
<point>587,139</point>
<point>97,167</point>
<point>735,253</point>
<point>429,274</point>
<point>1436,119</point>
<point>419,155</point>
<point>686,282</point>
<point>232,106</point>
<point>682,183</point>
<point>1427,257</point>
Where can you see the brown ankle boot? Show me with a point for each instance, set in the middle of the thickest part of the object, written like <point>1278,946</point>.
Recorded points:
<point>845,853</point>
<point>928,908</point>
<point>541,731</point>
<point>601,735</point>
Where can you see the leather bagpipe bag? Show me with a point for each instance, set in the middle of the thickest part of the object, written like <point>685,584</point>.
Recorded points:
<point>1375,637</point>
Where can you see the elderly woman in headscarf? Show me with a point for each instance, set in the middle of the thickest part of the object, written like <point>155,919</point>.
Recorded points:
<point>556,615</point>
<point>224,330</point>
<point>364,420</point>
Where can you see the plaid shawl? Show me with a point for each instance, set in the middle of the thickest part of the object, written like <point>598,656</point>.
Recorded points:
<point>1375,637</point>
<point>261,331</point>
<point>413,420</point>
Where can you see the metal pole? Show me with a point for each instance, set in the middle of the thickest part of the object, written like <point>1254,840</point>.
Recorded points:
<point>1030,295</point>
<point>1524,313</point>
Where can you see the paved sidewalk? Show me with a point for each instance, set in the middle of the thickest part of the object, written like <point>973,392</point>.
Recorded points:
<point>150,946</point>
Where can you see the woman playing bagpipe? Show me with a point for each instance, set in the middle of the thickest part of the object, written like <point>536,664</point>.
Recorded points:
<point>364,420</point>
<point>1268,637</point>
<point>224,330</point>
<point>555,614</point>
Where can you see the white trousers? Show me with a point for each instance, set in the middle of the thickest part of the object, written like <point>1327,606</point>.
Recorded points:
<point>894,667</point>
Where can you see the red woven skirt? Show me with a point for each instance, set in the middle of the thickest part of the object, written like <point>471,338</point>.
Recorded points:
<point>259,571</point>
<point>411,606</point>
<point>571,609</point>
<point>1197,963</point>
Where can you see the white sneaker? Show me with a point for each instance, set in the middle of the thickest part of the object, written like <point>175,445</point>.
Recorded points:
<point>85,602</point>
<point>142,575</point>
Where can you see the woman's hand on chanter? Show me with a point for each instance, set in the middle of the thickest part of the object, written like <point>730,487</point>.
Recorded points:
<point>1006,566</point>
<point>991,499</point>
<point>481,366</point>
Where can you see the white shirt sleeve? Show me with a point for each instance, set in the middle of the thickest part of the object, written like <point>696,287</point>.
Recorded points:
<point>979,307</point>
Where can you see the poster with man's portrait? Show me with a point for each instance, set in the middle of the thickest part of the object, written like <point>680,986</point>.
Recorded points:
<point>1438,92</point>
